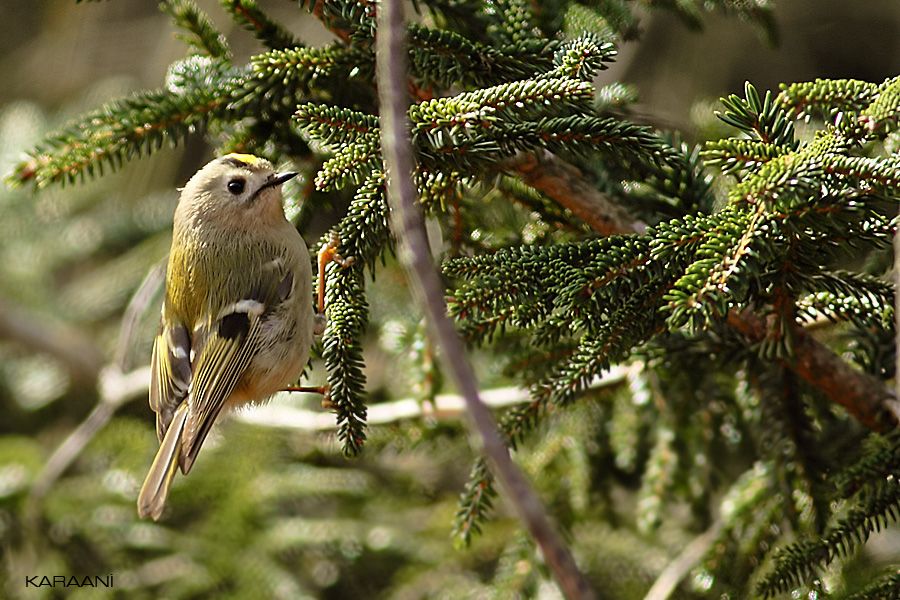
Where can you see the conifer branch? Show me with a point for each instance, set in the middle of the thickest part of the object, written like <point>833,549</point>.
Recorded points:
<point>348,19</point>
<point>567,185</point>
<point>362,234</point>
<point>797,564</point>
<point>251,17</point>
<point>869,401</point>
<point>410,230</point>
<point>887,586</point>
<point>118,132</point>
<point>201,33</point>
<point>444,57</point>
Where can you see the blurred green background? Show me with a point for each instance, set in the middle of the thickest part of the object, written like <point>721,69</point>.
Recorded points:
<point>276,512</point>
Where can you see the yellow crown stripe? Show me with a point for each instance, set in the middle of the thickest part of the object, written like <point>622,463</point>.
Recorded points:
<point>247,159</point>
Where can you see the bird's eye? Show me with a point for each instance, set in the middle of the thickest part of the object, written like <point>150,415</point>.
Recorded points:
<point>236,186</point>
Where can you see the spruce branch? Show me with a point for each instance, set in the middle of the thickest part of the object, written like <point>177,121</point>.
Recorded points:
<point>887,586</point>
<point>515,100</point>
<point>762,118</point>
<point>410,230</point>
<point>792,175</point>
<point>282,79</point>
<point>876,174</point>
<point>617,140</point>
<point>679,184</point>
<point>582,58</point>
<point>568,186</point>
<point>863,311</point>
<point>349,20</point>
<point>248,14</point>
<point>117,133</point>
<point>444,58</point>
<point>740,156</point>
<point>201,34</point>
<point>882,114</point>
<point>866,398</point>
<point>611,335</point>
<point>825,98</point>
<point>335,126</point>
<point>735,247</point>
<point>820,354</point>
<point>510,21</point>
<point>351,164</point>
<point>799,562</point>
<point>363,234</point>
<point>879,460</point>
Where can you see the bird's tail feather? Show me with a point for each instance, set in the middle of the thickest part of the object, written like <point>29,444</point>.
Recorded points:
<point>152,498</point>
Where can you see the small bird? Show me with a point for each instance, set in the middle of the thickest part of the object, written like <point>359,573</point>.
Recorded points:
<point>237,320</point>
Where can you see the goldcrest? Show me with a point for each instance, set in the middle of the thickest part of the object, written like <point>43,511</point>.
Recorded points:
<point>237,320</point>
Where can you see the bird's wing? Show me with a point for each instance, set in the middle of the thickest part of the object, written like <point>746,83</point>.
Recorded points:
<point>230,342</point>
<point>170,374</point>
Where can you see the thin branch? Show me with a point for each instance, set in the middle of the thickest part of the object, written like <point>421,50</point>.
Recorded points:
<point>568,187</point>
<point>678,569</point>
<point>136,309</point>
<point>444,406</point>
<point>409,228</point>
<point>77,353</point>
<point>116,388</point>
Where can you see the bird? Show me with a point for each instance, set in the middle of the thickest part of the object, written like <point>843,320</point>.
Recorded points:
<point>237,320</point>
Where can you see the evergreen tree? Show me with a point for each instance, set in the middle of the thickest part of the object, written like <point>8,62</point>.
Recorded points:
<point>742,284</point>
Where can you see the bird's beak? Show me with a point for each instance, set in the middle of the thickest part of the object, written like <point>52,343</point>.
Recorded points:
<point>275,180</point>
<point>280,178</point>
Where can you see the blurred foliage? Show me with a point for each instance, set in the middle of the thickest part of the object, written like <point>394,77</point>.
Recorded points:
<point>633,473</point>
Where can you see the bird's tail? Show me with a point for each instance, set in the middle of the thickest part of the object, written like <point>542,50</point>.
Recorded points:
<point>152,498</point>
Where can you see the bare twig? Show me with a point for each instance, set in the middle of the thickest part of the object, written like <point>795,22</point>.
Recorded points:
<point>678,569</point>
<point>116,388</point>
<point>444,406</point>
<point>409,227</point>
<point>136,308</point>
<point>77,353</point>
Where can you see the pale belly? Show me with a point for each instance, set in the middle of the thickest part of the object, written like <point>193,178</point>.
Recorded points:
<point>278,363</point>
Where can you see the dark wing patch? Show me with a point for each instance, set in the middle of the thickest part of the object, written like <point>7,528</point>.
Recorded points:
<point>285,287</point>
<point>217,370</point>
<point>223,357</point>
<point>235,325</point>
